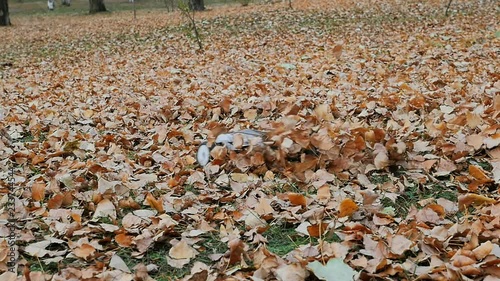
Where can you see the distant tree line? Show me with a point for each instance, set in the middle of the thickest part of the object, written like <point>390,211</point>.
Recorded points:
<point>4,13</point>
<point>95,6</point>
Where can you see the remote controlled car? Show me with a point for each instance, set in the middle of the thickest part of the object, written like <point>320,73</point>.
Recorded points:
<point>245,138</point>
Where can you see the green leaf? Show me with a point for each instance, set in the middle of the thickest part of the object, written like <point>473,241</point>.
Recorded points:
<point>334,270</point>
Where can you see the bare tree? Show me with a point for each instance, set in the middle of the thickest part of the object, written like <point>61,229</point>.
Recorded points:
<point>196,5</point>
<point>447,8</point>
<point>4,13</point>
<point>97,6</point>
<point>187,10</point>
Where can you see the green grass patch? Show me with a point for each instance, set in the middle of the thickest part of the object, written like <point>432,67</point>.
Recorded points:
<point>282,239</point>
<point>415,193</point>
<point>157,255</point>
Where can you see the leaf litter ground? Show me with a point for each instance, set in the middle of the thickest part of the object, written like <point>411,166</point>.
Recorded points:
<point>382,156</point>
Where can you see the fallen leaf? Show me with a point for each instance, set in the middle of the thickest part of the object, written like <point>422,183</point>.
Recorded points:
<point>182,250</point>
<point>105,209</point>
<point>400,244</point>
<point>469,199</point>
<point>38,191</point>
<point>118,263</point>
<point>478,174</point>
<point>297,199</point>
<point>334,270</point>
<point>347,207</point>
<point>483,250</point>
<point>84,251</point>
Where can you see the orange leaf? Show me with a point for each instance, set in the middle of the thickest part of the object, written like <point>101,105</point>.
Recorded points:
<point>297,199</point>
<point>437,208</point>
<point>67,199</point>
<point>123,240</point>
<point>225,105</point>
<point>76,217</point>
<point>55,202</point>
<point>156,204</point>
<point>466,200</point>
<point>236,249</point>
<point>38,191</point>
<point>129,203</point>
<point>347,207</point>
<point>84,251</point>
<point>478,174</point>
<point>316,230</point>
<point>37,159</point>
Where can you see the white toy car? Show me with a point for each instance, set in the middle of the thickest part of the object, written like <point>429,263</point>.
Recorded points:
<point>248,137</point>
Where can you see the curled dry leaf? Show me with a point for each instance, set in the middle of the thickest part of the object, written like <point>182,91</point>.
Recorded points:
<point>479,174</point>
<point>157,204</point>
<point>467,200</point>
<point>483,250</point>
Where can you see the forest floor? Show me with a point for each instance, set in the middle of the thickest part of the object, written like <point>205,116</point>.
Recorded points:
<point>382,156</point>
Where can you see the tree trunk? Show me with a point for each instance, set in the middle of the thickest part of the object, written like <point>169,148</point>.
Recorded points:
<point>4,13</point>
<point>196,5</point>
<point>97,6</point>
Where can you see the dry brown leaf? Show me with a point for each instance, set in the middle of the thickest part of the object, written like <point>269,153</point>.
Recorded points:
<point>475,140</point>
<point>55,202</point>
<point>400,244</point>
<point>381,161</point>
<point>483,250</point>
<point>323,112</point>
<point>323,194</point>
